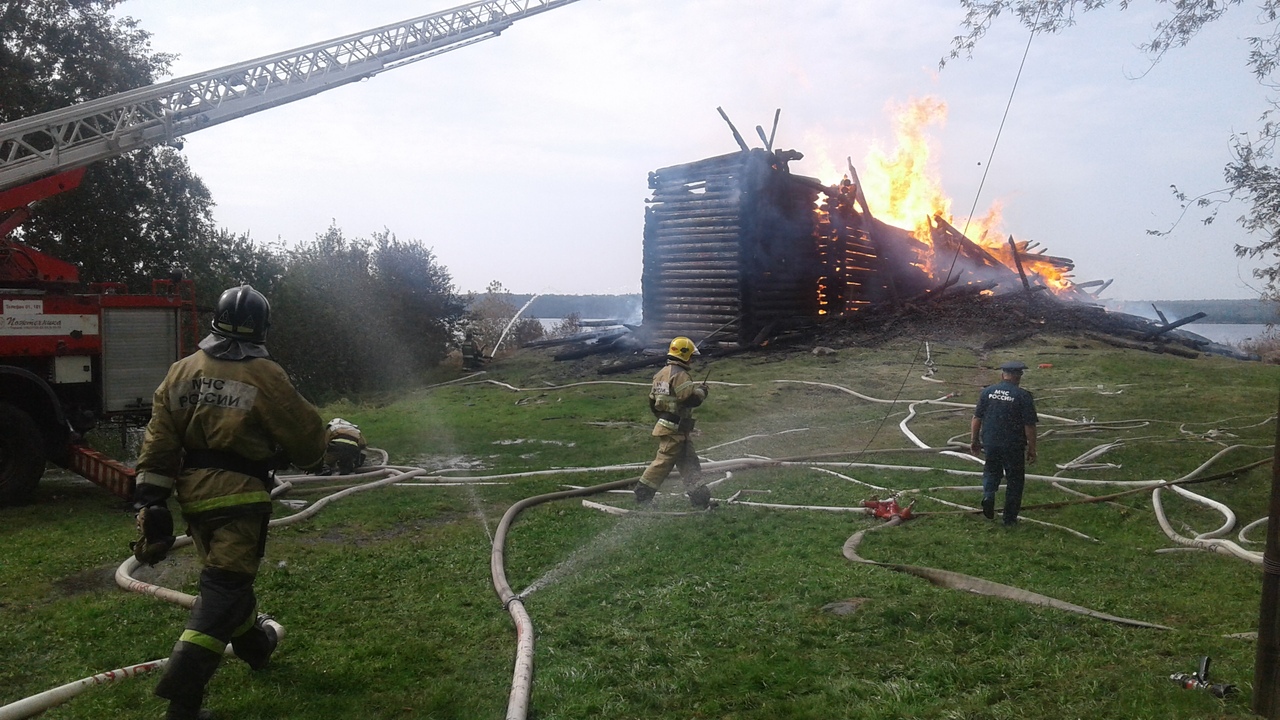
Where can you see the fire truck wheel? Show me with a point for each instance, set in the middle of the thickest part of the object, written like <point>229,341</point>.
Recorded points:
<point>21,455</point>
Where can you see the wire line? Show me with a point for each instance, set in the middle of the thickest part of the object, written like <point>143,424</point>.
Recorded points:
<point>994,144</point>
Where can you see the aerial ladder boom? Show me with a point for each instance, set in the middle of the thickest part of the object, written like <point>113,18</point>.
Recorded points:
<point>73,137</point>
<point>68,359</point>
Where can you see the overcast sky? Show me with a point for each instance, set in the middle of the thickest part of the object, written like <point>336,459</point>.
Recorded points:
<point>524,159</point>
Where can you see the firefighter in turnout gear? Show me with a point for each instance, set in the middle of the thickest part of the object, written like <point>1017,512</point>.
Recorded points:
<point>472,356</point>
<point>344,448</point>
<point>221,421</point>
<point>672,398</point>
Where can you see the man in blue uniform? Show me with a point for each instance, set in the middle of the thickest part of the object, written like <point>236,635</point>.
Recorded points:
<point>1004,429</point>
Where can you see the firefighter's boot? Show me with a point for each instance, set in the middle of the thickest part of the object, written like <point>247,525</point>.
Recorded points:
<point>700,497</point>
<point>644,494</point>
<point>257,644</point>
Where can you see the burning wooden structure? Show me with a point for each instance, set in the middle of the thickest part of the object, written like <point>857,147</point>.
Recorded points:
<point>740,252</point>
<point>738,247</point>
<point>728,247</point>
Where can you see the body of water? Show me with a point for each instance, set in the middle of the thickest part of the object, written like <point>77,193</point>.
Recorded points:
<point>1225,333</point>
<point>549,324</point>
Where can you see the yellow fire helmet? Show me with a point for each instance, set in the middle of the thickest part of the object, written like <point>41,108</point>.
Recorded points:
<point>682,349</point>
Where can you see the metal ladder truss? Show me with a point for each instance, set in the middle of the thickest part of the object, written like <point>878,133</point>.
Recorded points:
<point>84,133</point>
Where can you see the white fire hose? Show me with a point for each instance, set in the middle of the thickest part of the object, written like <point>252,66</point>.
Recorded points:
<point>39,703</point>
<point>522,676</point>
<point>518,701</point>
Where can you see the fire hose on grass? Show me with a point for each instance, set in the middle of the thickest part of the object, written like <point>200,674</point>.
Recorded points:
<point>968,583</point>
<point>39,703</point>
<point>522,681</point>
<point>1208,541</point>
<point>518,704</point>
<point>522,676</point>
<point>958,581</point>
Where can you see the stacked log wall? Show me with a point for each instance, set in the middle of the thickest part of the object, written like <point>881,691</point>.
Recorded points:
<point>692,280</point>
<point>729,248</point>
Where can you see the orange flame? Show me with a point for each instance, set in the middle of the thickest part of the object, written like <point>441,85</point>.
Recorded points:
<point>903,189</point>
<point>902,186</point>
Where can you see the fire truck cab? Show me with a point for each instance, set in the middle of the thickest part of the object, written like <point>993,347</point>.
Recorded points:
<point>70,359</point>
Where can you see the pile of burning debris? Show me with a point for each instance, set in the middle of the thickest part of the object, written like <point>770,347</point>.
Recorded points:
<point>962,314</point>
<point>740,252</point>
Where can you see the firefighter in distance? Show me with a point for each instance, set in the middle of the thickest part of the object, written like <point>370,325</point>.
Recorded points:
<point>672,398</point>
<point>344,448</point>
<point>222,421</point>
<point>472,356</point>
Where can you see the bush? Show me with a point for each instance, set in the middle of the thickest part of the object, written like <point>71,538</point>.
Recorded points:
<point>490,315</point>
<point>571,324</point>
<point>1265,346</point>
<point>351,316</point>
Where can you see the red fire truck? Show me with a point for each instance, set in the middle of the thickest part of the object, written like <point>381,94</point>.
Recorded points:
<point>72,356</point>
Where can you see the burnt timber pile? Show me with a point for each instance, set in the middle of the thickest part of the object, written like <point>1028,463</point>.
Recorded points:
<point>737,248</point>
<point>739,253</point>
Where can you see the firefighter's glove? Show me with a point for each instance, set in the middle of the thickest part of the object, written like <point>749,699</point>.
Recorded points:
<point>155,534</point>
<point>697,397</point>
<point>280,459</point>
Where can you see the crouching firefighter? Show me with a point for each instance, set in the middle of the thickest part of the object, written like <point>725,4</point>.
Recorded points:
<point>221,421</point>
<point>672,399</point>
<point>344,448</point>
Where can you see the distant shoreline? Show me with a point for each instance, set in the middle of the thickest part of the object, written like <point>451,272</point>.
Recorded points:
<point>1220,312</point>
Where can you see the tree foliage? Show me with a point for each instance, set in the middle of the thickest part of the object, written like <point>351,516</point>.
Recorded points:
<point>1251,175</point>
<point>134,217</point>
<point>490,315</point>
<point>570,324</point>
<point>351,316</point>
<point>57,52</point>
<point>232,259</point>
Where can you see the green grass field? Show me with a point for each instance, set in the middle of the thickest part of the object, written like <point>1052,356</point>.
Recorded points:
<point>391,613</point>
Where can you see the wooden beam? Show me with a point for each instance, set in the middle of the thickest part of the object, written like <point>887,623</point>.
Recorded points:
<point>737,136</point>
<point>1013,248</point>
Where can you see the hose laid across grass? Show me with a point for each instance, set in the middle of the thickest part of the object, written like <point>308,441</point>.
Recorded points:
<point>36,704</point>
<point>968,583</point>
<point>522,677</point>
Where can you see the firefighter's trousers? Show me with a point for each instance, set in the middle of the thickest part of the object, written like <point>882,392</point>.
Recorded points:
<point>225,610</point>
<point>342,456</point>
<point>674,451</point>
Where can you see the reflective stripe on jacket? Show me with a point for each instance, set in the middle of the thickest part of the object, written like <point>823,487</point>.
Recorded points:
<point>346,436</point>
<point>246,407</point>
<point>673,396</point>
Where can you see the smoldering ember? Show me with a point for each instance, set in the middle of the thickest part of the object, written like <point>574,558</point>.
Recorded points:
<point>739,253</point>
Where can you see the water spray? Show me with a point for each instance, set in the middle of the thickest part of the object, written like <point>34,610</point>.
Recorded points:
<point>507,329</point>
